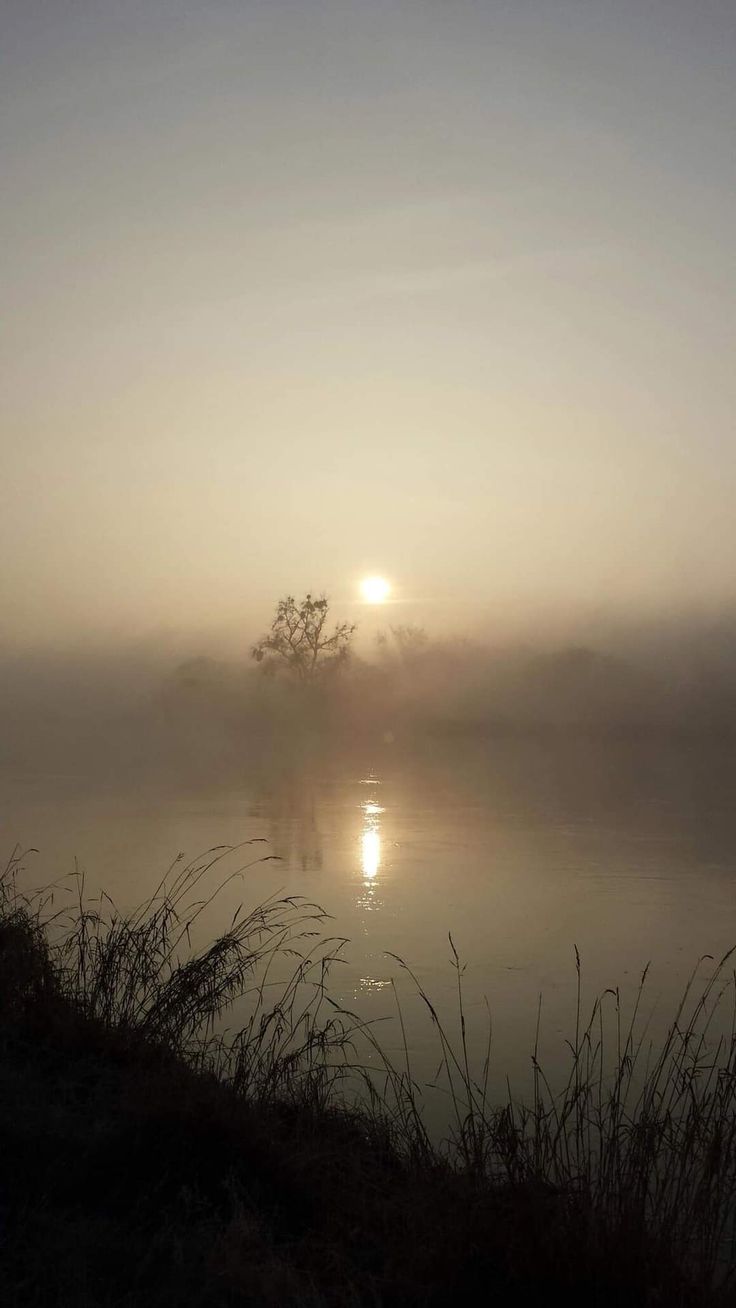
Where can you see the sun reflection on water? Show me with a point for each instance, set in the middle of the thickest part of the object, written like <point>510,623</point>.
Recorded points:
<point>370,844</point>
<point>371,853</point>
<point>371,859</point>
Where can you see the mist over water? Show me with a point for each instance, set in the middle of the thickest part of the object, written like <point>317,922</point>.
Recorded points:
<point>200,703</point>
<point>527,800</point>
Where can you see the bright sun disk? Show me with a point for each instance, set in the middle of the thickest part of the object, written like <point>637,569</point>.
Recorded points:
<point>375,590</point>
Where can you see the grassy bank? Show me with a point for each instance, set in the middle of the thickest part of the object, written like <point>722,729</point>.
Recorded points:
<point>147,1157</point>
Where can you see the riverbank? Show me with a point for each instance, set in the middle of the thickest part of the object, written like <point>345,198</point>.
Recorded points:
<point>143,1162</point>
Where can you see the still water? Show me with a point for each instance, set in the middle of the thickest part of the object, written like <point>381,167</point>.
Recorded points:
<point>521,849</point>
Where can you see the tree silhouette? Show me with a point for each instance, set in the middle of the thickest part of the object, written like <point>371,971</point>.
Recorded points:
<point>299,642</point>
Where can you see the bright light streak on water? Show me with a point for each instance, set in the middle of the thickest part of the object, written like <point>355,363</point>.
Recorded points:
<point>371,854</point>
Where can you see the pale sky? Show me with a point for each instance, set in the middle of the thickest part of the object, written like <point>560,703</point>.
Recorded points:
<point>441,290</point>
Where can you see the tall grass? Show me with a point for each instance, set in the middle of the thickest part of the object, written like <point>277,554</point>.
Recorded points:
<point>638,1136</point>
<point>636,1144</point>
<point>140,972</point>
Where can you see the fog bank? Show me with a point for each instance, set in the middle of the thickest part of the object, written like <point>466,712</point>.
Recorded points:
<point>164,703</point>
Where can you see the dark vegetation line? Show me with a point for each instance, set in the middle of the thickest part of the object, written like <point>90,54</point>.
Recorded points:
<point>149,1157</point>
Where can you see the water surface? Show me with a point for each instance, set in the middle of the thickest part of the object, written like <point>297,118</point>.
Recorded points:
<point>522,849</point>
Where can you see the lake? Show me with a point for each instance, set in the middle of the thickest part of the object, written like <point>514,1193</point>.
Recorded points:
<point>521,848</point>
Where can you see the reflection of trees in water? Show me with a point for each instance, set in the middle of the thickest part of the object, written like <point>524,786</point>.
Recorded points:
<point>291,813</point>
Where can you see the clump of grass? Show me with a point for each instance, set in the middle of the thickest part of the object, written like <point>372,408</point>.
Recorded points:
<point>139,974</point>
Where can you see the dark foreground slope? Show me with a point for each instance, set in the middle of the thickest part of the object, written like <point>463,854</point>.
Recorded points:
<point>130,1176</point>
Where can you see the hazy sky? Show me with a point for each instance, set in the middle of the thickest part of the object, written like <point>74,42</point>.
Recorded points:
<point>440,289</point>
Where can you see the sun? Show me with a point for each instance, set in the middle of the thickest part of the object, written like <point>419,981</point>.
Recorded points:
<point>375,590</point>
